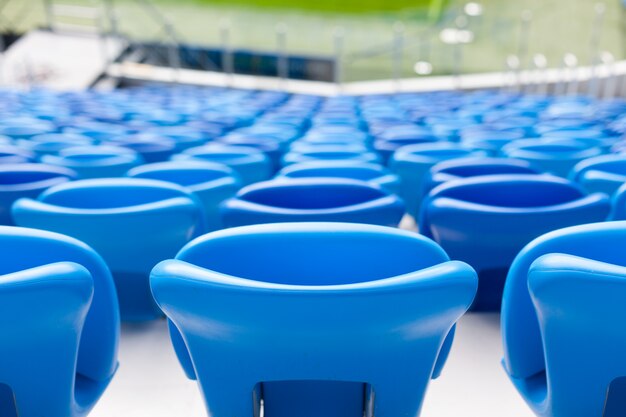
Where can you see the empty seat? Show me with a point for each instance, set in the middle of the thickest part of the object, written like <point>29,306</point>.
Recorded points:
<point>95,161</point>
<point>303,315</point>
<point>330,153</point>
<point>555,157</point>
<point>251,164</point>
<point>60,330</point>
<point>27,180</point>
<point>133,223</point>
<point>562,322</point>
<point>485,221</point>
<point>457,169</point>
<point>374,174</point>
<point>313,199</point>
<point>604,174</point>
<point>412,162</point>
<point>211,183</point>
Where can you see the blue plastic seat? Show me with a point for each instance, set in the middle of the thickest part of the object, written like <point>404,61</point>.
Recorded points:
<point>604,174</point>
<point>411,163</point>
<point>27,180</point>
<point>61,325</point>
<point>554,157</point>
<point>329,153</point>
<point>389,142</point>
<point>374,174</point>
<point>491,141</point>
<point>323,319</point>
<point>457,169</point>
<point>26,129</point>
<point>151,148</point>
<point>313,199</point>
<point>53,143</point>
<point>10,154</point>
<point>619,204</point>
<point>561,321</point>
<point>133,223</point>
<point>485,221</point>
<point>251,164</point>
<point>96,161</point>
<point>211,183</point>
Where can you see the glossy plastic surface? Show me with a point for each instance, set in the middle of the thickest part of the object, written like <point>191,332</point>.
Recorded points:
<point>485,221</point>
<point>313,200</point>
<point>212,183</point>
<point>411,163</point>
<point>306,319</point>
<point>27,180</point>
<point>96,161</point>
<point>133,223</point>
<point>563,350</point>
<point>372,173</point>
<point>61,328</point>
<point>604,174</point>
<point>554,157</point>
<point>251,164</point>
<point>457,169</point>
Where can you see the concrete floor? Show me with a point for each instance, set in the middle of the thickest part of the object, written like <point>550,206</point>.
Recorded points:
<point>150,383</point>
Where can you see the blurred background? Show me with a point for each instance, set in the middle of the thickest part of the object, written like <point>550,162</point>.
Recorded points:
<point>369,39</point>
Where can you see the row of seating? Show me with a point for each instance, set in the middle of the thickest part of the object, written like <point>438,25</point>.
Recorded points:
<point>299,193</point>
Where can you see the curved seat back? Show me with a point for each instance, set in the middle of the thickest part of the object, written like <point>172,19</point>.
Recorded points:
<point>313,199</point>
<point>96,161</point>
<point>485,221</point>
<point>211,183</point>
<point>132,223</point>
<point>412,162</point>
<point>285,325</point>
<point>59,294</point>
<point>27,180</point>
<point>603,174</point>
<point>251,164</point>
<point>562,302</point>
<point>372,173</point>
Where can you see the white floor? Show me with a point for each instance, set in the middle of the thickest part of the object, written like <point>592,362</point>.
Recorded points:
<point>150,383</point>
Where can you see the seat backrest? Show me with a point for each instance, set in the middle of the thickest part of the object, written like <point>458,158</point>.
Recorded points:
<point>579,304</point>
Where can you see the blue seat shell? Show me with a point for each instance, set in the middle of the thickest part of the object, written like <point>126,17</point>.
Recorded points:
<point>60,344</point>
<point>311,200</point>
<point>485,221</point>
<point>133,223</point>
<point>562,345</point>
<point>298,310</point>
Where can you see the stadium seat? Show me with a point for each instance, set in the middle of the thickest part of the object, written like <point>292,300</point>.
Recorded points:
<point>61,325</point>
<point>485,221</point>
<point>27,180</point>
<point>560,320</point>
<point>212,184</point>
<point>554,157</point>
<point>374,174</point>
<point>312,311</point>
<point>457,169</point>
<point>251,164</point>
<point>133,223</point>
<point>412,162</point>
<point>95,161</point>
<point>313,199</point>
<point>603,174</point>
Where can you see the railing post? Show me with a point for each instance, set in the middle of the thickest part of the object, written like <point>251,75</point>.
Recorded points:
<point>47,4</point>
<point>596,36</point>
<point>282,60</point>
<point>339,39</point>
<point>227,53</point>
<point>398,53</point>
